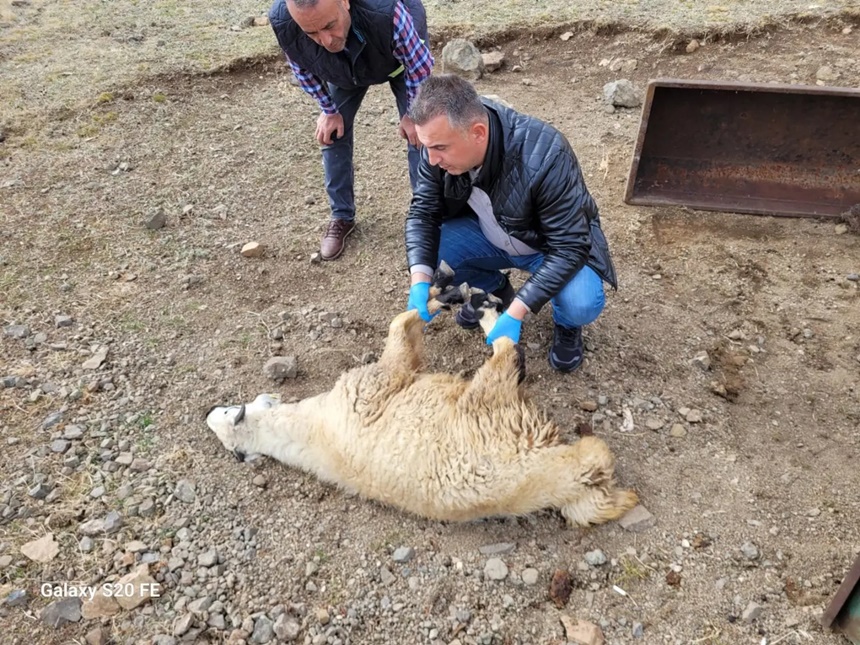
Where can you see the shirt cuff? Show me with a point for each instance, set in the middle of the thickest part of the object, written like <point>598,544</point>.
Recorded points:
<point>421,268</point>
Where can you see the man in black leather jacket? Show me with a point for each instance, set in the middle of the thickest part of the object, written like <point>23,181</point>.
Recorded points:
<point>498,189</point>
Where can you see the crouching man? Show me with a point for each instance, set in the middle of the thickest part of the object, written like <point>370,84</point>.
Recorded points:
<point>498,189</point>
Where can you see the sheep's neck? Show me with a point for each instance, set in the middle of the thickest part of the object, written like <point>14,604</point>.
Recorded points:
<point>285,434</point>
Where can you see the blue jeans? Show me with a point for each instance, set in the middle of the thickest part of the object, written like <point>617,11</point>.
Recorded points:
<point>337,158</point>
<point>478,262</point>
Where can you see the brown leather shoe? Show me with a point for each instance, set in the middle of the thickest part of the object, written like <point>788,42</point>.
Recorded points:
<point>335,236</point>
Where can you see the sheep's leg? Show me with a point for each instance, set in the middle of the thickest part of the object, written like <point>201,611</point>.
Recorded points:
<point>404,348</point>
<point>497,380</point>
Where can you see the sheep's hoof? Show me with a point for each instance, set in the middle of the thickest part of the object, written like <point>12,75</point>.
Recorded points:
<point>443,277</point>
<point>482,301</point>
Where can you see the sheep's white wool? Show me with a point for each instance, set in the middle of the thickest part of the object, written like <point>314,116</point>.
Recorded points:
<point>432,444</point>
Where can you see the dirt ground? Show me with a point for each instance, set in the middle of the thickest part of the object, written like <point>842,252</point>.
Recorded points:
<point>755,497</point>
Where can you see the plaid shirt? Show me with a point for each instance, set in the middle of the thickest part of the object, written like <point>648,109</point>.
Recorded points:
<point>406,47</point>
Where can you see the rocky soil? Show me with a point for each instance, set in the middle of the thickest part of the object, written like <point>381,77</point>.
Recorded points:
<point>724,374</point>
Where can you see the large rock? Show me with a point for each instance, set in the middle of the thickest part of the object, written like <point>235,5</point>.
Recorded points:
<point>263,631</point>
<point>137,587</point>
<point>637,519</point>
<point>461,57</point>
<point>493,61</point>
<point>42,550</point>
<point>621,94</point>
<point>101,605</point>
<point>60,612</point>
<point>286,628</point>
<point>279,368</point>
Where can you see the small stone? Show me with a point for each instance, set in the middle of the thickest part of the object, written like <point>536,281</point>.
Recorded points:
<point>263,631</point>
<point>279,368</point>
<point>595,558</point>
<point>86,544</point>
<point>96,636</point>
<point>140,465</point>
<point>678,431</point>
<point>40,491</point>
<point>60,446</point>
<point>694,416</point>
<point>112,522</point>
<point>63,321</point>
<point>692,46</point>
<point>286,628</point>
<point>621,93</point>
<point>261,21</point>
<point>96,360</point>
<point>208,559</point>
<point>157,221</point>
<point>253,250</point>
<point>5,561</point>
<point>827,74</point>
<point>566,36</point>
<point>638,630</point>
<point>260,481</point>
<point>19,332</point>
<point>316,258</point>
<point>840,229</point>
<point>637,519</point>
<point>702,360</point>
<point>493,61</point>
<point>185,491</point>
<point>501,548</point>
<point>181,627</point>
<point>653,423</point>
<point>386,576</point>
<point>61,612</point>
<point>750,551</point>
<point>101,605</point>
<point>582,632</point>
<point>201,605</point>
<point>73,432</point>
<point>496,569</point>
<point>146,508</point>
<point>751,612</point>
<point>18,598</point>
<point>143,588</point>
<point>530,576</point>
<point>322,616</point>
<point>403,554</point>
<point>97,492</point>
<point>588,406</point>
<point>42,550</point>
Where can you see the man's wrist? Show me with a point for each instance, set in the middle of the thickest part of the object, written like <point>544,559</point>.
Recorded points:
<point>518,310</point>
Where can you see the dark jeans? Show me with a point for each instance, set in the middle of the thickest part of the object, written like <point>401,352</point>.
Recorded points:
<point>477,261</point>
<point>337,158</point>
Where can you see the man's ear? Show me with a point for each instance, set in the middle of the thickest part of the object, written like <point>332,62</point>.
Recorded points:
<point>479,132</point>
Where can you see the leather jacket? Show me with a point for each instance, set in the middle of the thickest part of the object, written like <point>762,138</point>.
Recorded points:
<point>538,194</point>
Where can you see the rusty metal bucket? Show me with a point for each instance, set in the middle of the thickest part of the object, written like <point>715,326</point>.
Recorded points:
<point>843,612</point>
<point>757,148</point>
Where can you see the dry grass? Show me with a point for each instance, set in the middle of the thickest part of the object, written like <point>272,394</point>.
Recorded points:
<point>75,54</point>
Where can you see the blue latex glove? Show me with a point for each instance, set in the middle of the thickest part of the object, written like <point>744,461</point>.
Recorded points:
<point>506,325</point>
<point>419,294</point>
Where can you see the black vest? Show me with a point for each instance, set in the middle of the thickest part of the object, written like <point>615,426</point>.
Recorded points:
<point>369,61</point>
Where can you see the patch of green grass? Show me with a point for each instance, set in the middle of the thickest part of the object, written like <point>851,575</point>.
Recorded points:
<point>631,571</point>
<point>159,97</point>
<point>88,130</point>
<point>106,97</point>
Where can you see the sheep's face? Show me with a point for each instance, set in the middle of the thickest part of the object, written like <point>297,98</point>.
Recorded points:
<point>234,425</point>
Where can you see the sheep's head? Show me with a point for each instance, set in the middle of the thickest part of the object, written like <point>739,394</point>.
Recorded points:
<point>234,425</point>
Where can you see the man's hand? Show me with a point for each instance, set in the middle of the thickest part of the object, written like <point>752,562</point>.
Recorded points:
<point>328,124</point>
<point>506,325</point>
<point>407,131</point>
<point>419,294</point>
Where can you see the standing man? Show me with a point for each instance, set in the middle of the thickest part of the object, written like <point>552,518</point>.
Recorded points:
<point>500,189</point>
<point>337,49</point>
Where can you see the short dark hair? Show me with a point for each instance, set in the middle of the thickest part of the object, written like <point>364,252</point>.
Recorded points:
<point>450,95</point>
<point>303,4</point>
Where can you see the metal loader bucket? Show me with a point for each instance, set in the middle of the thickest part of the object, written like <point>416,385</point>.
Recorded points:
<point>748,148</point>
